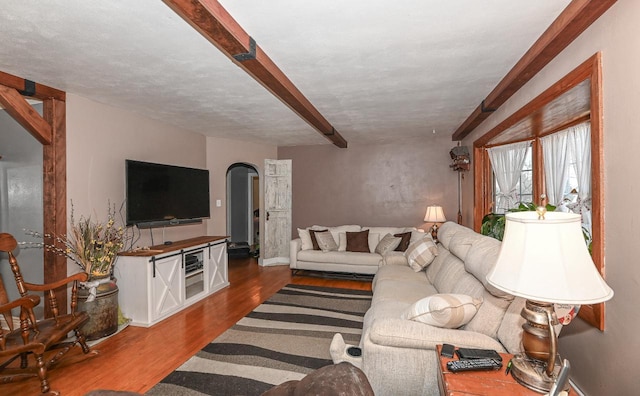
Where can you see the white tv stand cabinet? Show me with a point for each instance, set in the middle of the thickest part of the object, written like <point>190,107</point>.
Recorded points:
<point>156,283</point>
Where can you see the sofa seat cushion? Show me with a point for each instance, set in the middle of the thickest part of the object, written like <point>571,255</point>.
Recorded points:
<point>335,257</point>
<point>395,258</point>
<point>401,284</point>
<point>404,292</point>
<point>398,273</point>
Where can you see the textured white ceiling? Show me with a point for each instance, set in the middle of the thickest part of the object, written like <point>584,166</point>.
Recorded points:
<point>377,70</point>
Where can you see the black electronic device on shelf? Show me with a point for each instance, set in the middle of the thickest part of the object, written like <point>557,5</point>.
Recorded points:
<point>193,262</point>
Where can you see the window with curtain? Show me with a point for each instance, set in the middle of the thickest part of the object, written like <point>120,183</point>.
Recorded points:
<point>573,106</point>
<point>513,175</point>
<point>567,169</point>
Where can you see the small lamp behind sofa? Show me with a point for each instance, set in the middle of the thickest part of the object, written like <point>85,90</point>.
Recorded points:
<point>434,215</point>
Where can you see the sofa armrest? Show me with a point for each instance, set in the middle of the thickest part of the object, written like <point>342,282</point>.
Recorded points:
<point>402,333</point>
<point>294,247</point>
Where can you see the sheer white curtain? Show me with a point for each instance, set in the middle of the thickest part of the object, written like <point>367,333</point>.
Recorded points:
<point>507,162</point>
<point>580,147</point>
<point>555,150</point>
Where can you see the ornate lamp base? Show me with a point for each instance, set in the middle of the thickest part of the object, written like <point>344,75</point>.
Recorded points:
<point>532,373</point>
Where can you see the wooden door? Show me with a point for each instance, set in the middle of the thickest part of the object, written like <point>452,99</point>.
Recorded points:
<point>277,209</point>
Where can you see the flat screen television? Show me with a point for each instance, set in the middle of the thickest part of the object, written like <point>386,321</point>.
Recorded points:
<point>159,195</point>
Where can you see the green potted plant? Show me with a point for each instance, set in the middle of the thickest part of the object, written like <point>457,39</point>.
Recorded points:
<point>493,223</point>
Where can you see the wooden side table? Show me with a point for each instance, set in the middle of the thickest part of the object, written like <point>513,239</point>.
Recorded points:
<point>490,383</point>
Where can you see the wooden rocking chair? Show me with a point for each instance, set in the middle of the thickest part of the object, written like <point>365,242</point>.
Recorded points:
<point>37,337</point>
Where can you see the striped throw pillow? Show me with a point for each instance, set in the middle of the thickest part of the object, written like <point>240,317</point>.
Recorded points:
<point>444,310</point>
<point>421,253</point>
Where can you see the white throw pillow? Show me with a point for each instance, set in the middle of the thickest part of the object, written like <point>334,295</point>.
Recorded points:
<point>326,241</point>
<point>373,240</point>
<point>305,239</point>
<point>421,253</point>
<point>342,242</point>
<point>387,244</point>
<point>444,310</point>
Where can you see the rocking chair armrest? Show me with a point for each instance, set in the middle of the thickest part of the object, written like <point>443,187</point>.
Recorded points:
<point>29,301</point>
<point>80,276</point>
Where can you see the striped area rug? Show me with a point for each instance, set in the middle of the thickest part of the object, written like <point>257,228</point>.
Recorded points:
<point>285,338</point>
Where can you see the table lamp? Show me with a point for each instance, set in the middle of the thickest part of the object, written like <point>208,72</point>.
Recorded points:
<point>544,259</point>
<point>434,215</point>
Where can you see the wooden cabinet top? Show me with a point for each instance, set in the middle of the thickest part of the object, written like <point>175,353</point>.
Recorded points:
<point>178,245</point>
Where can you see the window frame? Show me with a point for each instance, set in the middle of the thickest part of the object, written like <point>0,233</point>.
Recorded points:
<point>591,70</point>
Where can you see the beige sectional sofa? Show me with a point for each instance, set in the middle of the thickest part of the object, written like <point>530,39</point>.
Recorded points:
<point>304,257</point>
<point>398,353</point>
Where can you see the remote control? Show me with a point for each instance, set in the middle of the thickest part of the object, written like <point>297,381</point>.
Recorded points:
<point>447,350</point>
<point>473,365</point>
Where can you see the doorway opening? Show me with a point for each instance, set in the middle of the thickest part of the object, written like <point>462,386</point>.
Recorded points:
<point>243,211</point>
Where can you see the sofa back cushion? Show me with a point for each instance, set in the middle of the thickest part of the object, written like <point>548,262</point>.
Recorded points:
<point>335,231</point>
<point>461,243</point>
<point>462,265</point>
<point>489,317</point>
<point>481,258</point>
<point>510,330</point>
<point>438,262</point>
<point>387,230</point>
<point>446,232</point>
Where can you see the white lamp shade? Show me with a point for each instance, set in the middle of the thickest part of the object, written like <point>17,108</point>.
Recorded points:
<point>434,214</point>
<point>547,260</point>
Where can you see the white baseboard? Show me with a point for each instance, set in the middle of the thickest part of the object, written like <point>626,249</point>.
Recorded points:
<point>274,261</point>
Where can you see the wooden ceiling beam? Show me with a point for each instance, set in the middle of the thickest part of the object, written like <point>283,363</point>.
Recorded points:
<point>211,20</point>
<point>39,91</point>
<point>573,20</point>
<point>25,114</point>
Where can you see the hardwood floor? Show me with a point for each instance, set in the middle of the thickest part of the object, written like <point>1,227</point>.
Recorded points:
<point>137,358</point>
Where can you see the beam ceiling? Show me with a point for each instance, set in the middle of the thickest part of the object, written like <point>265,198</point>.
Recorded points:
<point>577,17</point>
<point>211,20</point>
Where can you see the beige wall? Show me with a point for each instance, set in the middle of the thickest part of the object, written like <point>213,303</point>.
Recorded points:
<point>100,138</point>
<point>222,153</point>
<point>604,363</point>
<point>375,185</point>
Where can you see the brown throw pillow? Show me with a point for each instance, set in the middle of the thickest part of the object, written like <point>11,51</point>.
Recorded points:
<point>358,241</point>
<point>314,241</point>
<point>404,243</point>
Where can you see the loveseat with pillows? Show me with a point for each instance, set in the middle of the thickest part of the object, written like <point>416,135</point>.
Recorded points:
<point>353,248</point>
<point>440,298</point>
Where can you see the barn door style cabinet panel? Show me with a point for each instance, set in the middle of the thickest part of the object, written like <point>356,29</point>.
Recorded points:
<point>158,282</point>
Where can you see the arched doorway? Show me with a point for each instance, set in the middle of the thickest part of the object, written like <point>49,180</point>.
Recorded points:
<point>243,210</point>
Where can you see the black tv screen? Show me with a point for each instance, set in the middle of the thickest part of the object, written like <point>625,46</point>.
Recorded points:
<point>159,195</point>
